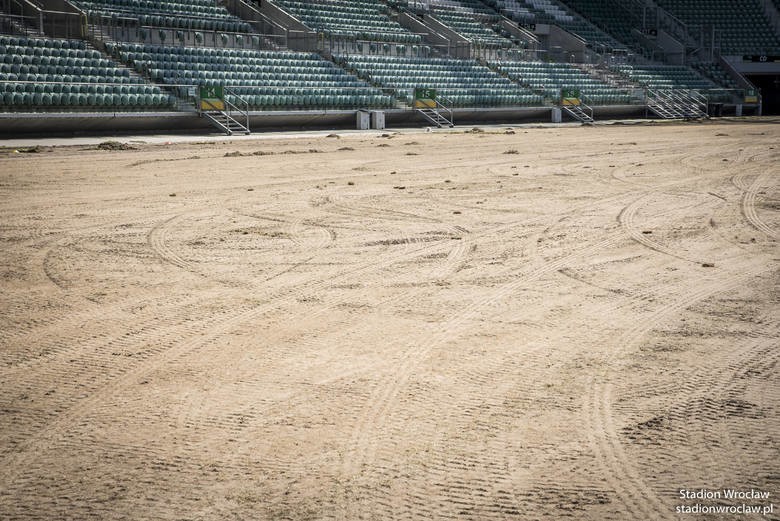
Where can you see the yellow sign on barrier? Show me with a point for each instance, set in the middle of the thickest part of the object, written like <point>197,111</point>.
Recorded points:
<point>570,97</point>
<point>424,98</point>
<point>212,98</point>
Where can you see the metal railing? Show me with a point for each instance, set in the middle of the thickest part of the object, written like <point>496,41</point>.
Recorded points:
<point>444,108</point>
<point>127,97</point>
<point>231,107</point>
<point>128,29</point>
<point>29,17</point>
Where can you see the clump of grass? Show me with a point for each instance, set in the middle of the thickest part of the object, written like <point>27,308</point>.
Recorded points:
<point>114,145</point>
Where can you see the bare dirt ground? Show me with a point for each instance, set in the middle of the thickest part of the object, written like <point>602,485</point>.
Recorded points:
<point>559,323</point>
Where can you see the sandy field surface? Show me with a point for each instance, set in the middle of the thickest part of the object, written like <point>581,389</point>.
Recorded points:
<point>536,324</point>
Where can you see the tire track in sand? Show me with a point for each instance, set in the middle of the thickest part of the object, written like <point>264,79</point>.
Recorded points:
<point>619,469</point>
<point>364,439</point>
<point>748,205</point>
<point>181,341</point>
<point>627,219</point>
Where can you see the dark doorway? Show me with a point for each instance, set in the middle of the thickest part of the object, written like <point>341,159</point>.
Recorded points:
<point>769,85</point>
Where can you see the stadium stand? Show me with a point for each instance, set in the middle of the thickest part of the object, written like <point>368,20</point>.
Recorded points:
<point>53,74</point>
<point>550,78</point>
<point>472,19</point>
<point>360,54</point>
<point>741,25</point>
<point>354,19</point>
<point>267,80</point>
<point>665,76</point>
<point>611,17</point>
<point>193,14</point>
<point>673,77</point>
<point>462,83</point>
<point>545,11</point>
<point>716,74</point>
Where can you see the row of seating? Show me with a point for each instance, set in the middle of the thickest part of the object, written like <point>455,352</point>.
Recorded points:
<point>283,99</point>
<point>665,76</point>
<point>464,83</point>
<point>293,79</point>
<point>354,19</point>
<point>716,73</point>
<point>546,11</point>
<point>193,14</point>
<point>616,18</point>
<point>550,78</point>
<point>741,25</point>
<point>48,73</point>
<point>50,100</point>
<point>41,43</point>
<point>673,77</point>
<point>467,26</point>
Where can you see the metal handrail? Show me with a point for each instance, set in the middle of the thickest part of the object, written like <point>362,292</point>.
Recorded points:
<point>583,99</point>
<point>230,105</point>
<point>445,108</point>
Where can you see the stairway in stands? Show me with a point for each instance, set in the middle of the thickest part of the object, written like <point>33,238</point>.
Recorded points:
<point>677,103</point>
<point>582,113</point>
<point>226,123</point>
<point>436,117</point>
<point>225,114</point>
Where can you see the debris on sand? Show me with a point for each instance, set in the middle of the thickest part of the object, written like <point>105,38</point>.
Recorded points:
<point>511,151</point>
<point>346,149</point>
<point>457,212</point>
<point>399,188</point>
<point>172,195</point>
<point>334,135</point>
<point>647,232</point>
<point>115,145</point>
<point>37,149</point>
<point>233,154</point>
<point>310,151</point>
<point>476,130</point>
<point>351,183</point>
<point>707,265</point>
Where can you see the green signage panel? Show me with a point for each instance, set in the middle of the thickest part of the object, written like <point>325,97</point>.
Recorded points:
<point>570,96</point>
<point>212,97</point>
<point>212,92</point>
<point>424,97</point>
